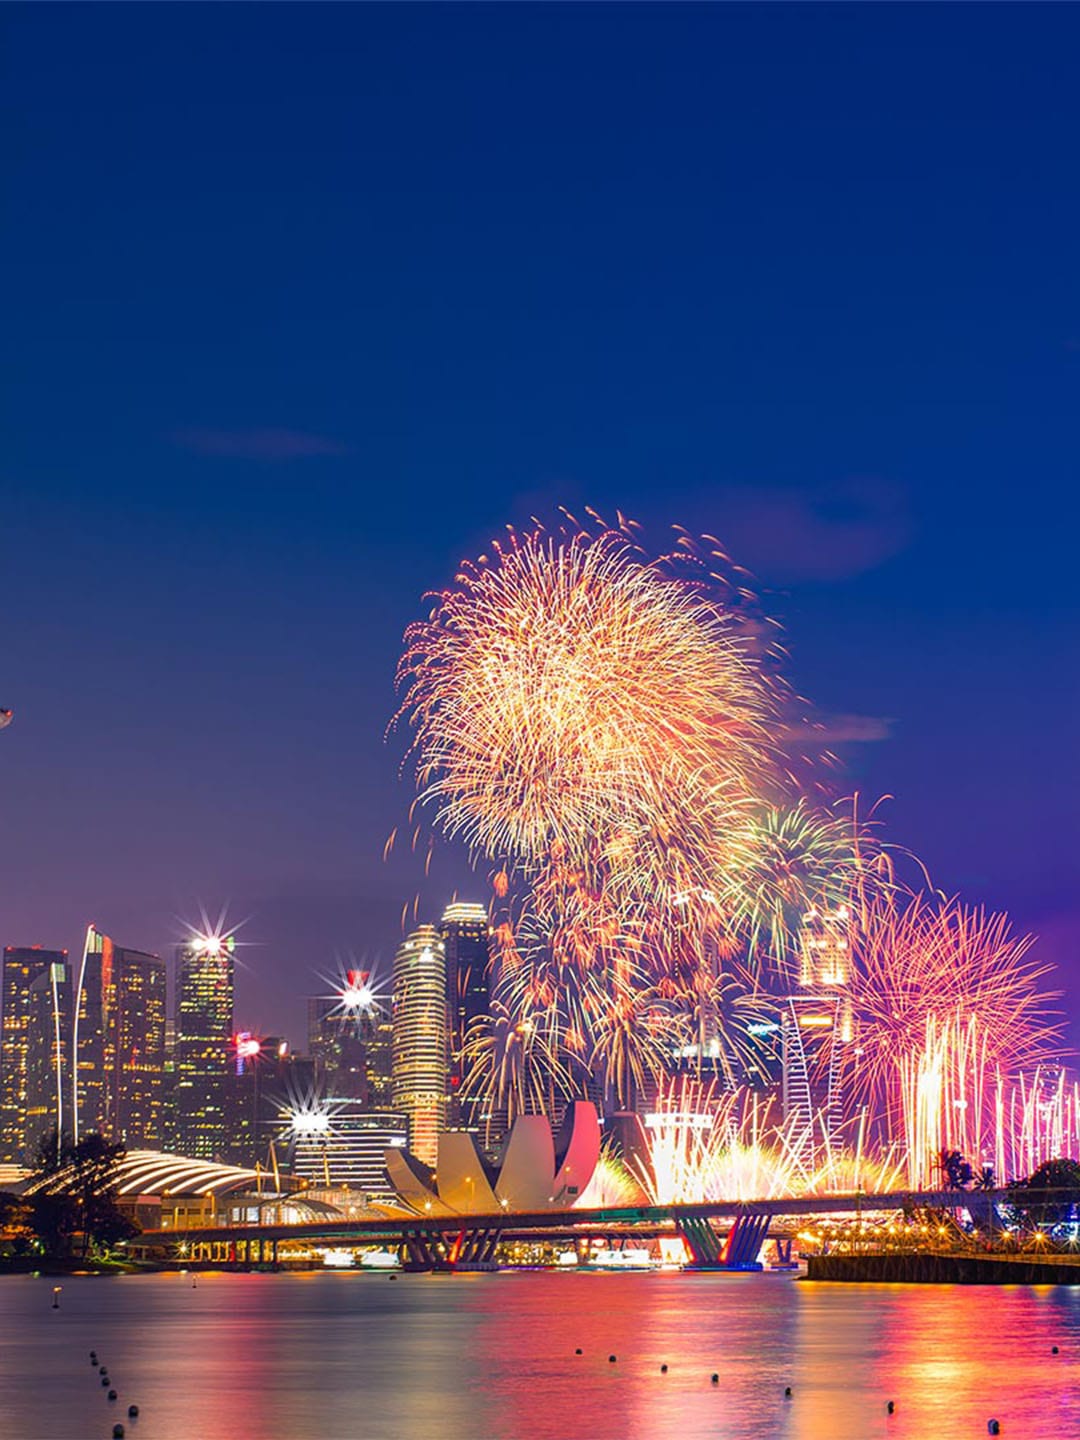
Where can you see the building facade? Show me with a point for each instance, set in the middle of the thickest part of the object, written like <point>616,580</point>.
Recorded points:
<point>466,935</point>
<point>815,1026</point>
<point>350,1038</point>
<point>345,1145</point>
<point>22,966</point>
<point>119,1044</point>
<point>420,1048</point>
<point>49,1059</point>
<point>204,1057</point>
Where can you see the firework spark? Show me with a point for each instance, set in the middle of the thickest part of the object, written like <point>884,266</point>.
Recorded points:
<point>947,1002</point>
<point>600,724</point>
<point>703,1145</point>
<point>570,696</point>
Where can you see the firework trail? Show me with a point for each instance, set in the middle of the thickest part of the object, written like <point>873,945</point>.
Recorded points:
<point>947,1003</point>
<point>602,725</point>
<point>703,1145</point>
<point>607,731</point>
<point>802,860</point>
<point>571,699</point>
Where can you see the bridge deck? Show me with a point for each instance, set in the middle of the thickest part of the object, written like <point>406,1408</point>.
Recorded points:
<point>645,1221</point>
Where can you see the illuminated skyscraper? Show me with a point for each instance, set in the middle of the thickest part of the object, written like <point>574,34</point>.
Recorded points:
<point>48,1057</point>
<point>119,1043</point>
<point>342,1143</point>
<point>420,1068</point>
<point>465,933</point>
<point>94,1036</point>
<point>139,1078</point>
<point>21,967</point>
<point>350,1038</point>
<point>815,1025</point>
<point>205,985</point>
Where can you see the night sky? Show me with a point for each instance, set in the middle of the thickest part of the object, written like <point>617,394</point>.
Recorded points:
<point>303,304</point>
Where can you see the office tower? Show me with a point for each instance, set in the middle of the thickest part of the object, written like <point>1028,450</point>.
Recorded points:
<point>341,1143</point>
<point>263,1076</point>
<point>205,983</point>
<point>48,1058</point>
<point>336,1044</point>
<point>815,1025</point>
<point>465,933</point>
<point>350,1038</point>
<point>379,1060</point>
<point>139,1077</point>
<point>21,967</point>
<point>119,1044</point>
<point>94,1038</point>
<point>420,1071</point>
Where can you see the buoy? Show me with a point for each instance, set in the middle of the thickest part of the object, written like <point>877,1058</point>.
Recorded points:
<point>133,1410</point>
<point>787,1391</point>
<point>716,1379</point>
<point>104,1381</point>
<point>891,1406</point>
<point>611,1359</point>
<point>112,1394</point>
<point>578,1350</point>
<point>663,1369</point>
<point>118,1431</point>
<point>994,1426</point>
<point>103,1370</point>
<point>1053,1349</point>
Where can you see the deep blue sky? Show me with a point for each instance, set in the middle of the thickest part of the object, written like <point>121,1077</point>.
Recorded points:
<point>301,304</point>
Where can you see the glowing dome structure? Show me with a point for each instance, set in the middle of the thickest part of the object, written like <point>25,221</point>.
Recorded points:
<point>151,1172</point>
<point>538,1171</point>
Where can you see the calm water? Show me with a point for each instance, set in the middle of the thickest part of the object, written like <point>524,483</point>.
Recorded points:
<point>361,1357</point>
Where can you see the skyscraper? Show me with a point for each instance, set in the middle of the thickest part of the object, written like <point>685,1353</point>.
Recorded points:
<point>48,1058</point>
<point>119,1043</point>
<point>22,965</point>
<point>205,985</point>
<point>350,1038</point>
<point>139,1078</point>
<point>420,1070</point>
<point>93,1038</point>
<point>342,1143</point>
<point>815,1025</point>
<point>465,934</point>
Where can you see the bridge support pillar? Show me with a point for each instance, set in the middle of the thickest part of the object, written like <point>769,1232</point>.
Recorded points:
<point>738,1252</point>
<point>701,1240</point>
<point>745,1239</point>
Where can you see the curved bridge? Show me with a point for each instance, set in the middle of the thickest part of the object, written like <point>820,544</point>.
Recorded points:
<point>719,1234</point>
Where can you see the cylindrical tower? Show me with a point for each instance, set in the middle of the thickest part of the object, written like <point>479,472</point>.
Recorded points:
<point>420,1050</point>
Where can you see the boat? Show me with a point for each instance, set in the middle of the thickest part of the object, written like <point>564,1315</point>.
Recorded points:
<point>628,1258</point>
<point>379,1260</point>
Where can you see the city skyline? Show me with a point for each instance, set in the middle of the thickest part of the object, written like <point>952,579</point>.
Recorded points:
<point>538,709</point>
<point>895,494</point>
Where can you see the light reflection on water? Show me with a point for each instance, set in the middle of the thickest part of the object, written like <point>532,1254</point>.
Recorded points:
<point>360,1357</point>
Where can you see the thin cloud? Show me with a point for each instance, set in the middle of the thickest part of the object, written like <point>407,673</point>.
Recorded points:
<point>826,534</point>
<point>841,729</point>
<point>268,444</point>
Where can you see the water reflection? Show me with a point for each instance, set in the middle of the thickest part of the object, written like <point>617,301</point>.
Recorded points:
<point>318,1357</point>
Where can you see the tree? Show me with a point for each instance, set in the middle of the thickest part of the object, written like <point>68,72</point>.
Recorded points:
<point>1050,1196</point>
<point>956,1172</point>
<point>54,1218</point>
<point>76,1191</point>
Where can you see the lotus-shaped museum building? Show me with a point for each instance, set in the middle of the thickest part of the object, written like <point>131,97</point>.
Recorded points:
<point>537,1171</point>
